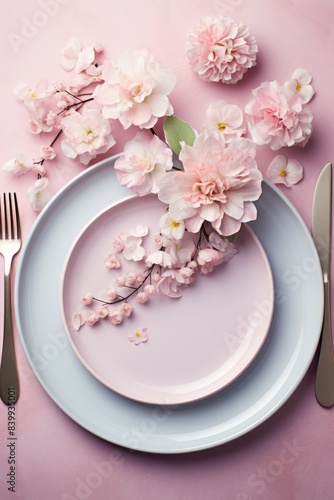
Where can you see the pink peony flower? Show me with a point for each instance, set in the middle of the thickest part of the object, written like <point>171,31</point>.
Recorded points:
<point>135,90</point>
<point>219,184</point>
<point>225,121</point>
<point>145,160</point>
<point>283,171</point>
<point>87,135</point>
<point>220,49</point>
<point>276,116</point>
<point>139,336</point>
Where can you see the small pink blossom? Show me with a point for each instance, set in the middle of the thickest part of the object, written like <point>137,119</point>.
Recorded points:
<point>132,243</point>
<point>161,258</point>
<point>41,119</point>
<point>219,49</point>
<point>181,251</point>
<point>149,290</point>
<point>76,58</point>
<point>135,90</point>
<point>92,318</point>
<point>170,283</point>
<point>222,245</point>
<point>126,309</point>
<point>87,135</point>
<point>47,153</point>
<point>87,299</point>
<point>142,297</point>
<point>225,121</point>
<point>116,316</point>
<point>112,293</point>
<point>32,96</point>
<point>103,311</point>
<point>139,336</point>
<point>208,259</point>
<point>276,116</point>
<point>118,244</point>
<point>131,278</point>
<point>39,195</point>
<point>144,162</point>
<point>219,184</point>
<point>121,280</point>
<point>300,83</point>
<point>19,165</point>
<point>112,262</point>
<point>284,171</point>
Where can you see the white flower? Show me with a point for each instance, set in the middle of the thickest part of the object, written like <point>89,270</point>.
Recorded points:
<point>171,228</point>
<point>87,135</point>
<point>135,90</point>
<point>19,165</point>
<point>38,194</point>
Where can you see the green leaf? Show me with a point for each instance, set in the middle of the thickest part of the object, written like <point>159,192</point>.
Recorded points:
<point>176,131</point>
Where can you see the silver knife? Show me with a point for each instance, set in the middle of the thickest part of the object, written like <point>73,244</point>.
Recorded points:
<point>321,231</point>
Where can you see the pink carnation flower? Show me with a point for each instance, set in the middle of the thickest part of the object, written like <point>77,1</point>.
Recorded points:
<point>87,135</point>
<point>276,116</point>
<point>220,49</point>
<point>145,160</point>
<point>135,90</point>
<point>219,184</point>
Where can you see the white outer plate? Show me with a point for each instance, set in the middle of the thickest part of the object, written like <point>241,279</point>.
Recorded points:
<point>258,393</point>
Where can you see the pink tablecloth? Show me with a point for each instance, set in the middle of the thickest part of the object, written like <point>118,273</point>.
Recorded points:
<point>290,456</point>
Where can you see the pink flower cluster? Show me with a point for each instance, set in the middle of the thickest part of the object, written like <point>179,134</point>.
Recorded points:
<point>277,115</point>
<point>219,49</point>
<point>166,270</point>
<point>133,90</point>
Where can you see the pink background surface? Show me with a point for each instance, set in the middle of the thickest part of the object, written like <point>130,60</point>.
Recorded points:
<point>56,458</point>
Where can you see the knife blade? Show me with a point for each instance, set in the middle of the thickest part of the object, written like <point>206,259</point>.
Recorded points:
<point>321,231</point>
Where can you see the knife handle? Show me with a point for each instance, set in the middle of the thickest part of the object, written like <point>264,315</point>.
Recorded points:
<point>324,388</point>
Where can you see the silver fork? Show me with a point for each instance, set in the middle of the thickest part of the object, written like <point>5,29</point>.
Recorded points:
<point>10,244</point>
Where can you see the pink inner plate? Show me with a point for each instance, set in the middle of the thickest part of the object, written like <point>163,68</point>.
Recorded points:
<point>197,344</point>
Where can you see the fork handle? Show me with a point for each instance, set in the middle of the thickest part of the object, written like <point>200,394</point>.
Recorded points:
<point>9,380</point>
<point>325,372</point>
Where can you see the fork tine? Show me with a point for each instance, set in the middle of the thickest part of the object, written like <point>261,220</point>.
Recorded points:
<point>5,217</point>
<point>17,214</point>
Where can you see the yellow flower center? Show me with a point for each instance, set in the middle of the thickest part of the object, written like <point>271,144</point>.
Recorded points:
<point>283,173</point>
<point>221,126</point>
<point>137,334</point>
<point>174,224</point>
<point>298,87</point>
